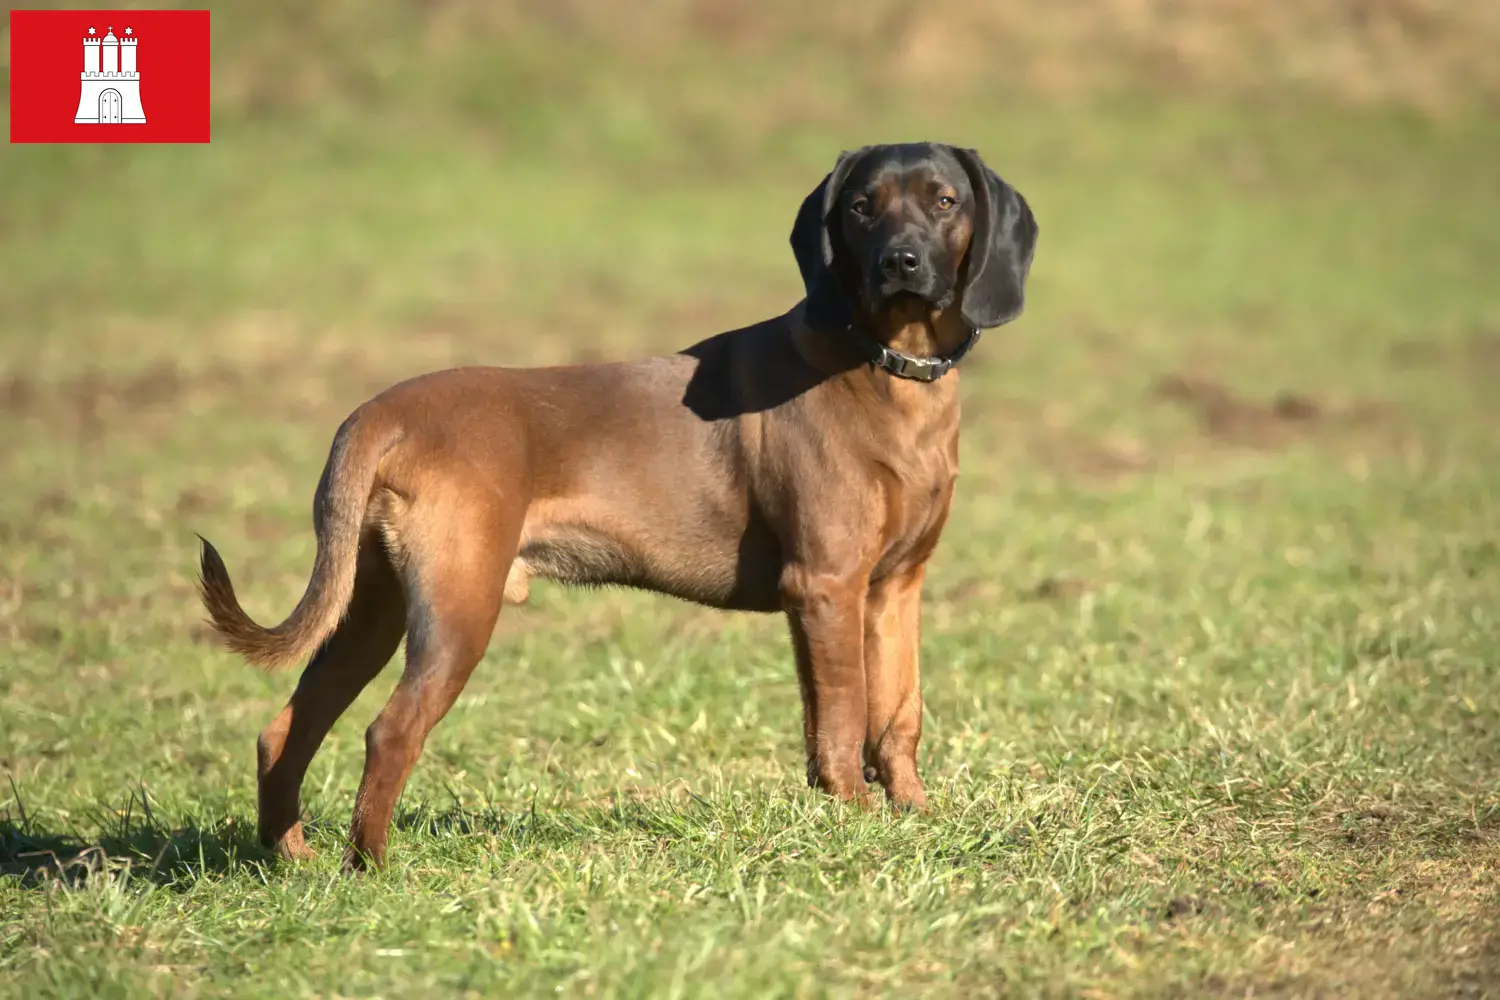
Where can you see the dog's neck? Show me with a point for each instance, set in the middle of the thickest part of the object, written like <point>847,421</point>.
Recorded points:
<point>915,328</point>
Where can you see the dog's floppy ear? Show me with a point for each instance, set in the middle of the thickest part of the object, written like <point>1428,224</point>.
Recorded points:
<point>812,243</point>
<point>1000,250</point>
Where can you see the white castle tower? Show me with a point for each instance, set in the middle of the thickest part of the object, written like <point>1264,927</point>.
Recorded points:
<point>111,86</point>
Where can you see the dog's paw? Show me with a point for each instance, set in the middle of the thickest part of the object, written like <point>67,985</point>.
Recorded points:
<point>908,798</point>
<point>292,847</point>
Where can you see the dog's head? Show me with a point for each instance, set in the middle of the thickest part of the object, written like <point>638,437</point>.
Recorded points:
<point>922,222</point>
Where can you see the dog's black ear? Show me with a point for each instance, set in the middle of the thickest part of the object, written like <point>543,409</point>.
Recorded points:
<point>813,244</point>
<point>1000,250</point>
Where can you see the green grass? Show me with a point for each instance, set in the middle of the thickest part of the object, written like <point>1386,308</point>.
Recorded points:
<point>1211,687</point>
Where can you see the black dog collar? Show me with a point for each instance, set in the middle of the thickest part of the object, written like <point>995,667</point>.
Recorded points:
<point>919,369</point>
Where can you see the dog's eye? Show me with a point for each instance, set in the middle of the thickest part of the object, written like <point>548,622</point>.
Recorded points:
<point>861,206</point>
<point>945,203</point>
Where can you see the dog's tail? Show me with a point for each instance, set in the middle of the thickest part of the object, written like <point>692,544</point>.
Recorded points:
<point>338,520</point>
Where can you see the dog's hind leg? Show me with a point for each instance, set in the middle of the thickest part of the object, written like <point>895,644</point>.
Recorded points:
<point>459,547</point>
<point>336,674</point>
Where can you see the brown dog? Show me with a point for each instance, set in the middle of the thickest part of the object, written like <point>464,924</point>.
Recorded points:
<point>805,464</point>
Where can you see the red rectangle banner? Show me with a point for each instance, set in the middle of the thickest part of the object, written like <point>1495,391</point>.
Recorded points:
<point>109,76</point>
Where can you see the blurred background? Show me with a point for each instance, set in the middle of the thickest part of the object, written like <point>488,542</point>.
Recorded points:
<point>537,180</point>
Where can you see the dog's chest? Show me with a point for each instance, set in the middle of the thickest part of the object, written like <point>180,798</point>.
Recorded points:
<point>919,483</point>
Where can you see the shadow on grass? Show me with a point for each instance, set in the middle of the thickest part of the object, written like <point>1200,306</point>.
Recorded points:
<point>135,844</point>
<point>138,845</point>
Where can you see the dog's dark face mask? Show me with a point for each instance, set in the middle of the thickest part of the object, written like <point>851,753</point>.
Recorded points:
<point>927,223</point>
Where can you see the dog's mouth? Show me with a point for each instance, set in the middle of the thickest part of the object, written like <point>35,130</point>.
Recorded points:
<point>899,297</point>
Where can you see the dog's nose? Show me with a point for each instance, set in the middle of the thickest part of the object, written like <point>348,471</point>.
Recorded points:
<point>899,262</point>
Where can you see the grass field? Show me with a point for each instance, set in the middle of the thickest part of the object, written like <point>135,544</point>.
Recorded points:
<point>1210,644</point>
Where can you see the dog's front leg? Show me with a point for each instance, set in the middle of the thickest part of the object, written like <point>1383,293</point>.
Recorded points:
<point>893,685</point>
<point>826,613</point>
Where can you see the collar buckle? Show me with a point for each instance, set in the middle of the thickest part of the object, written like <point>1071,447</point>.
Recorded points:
<point>920,369</point>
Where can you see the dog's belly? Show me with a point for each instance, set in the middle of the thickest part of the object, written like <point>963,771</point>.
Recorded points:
<point>743,575</point>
